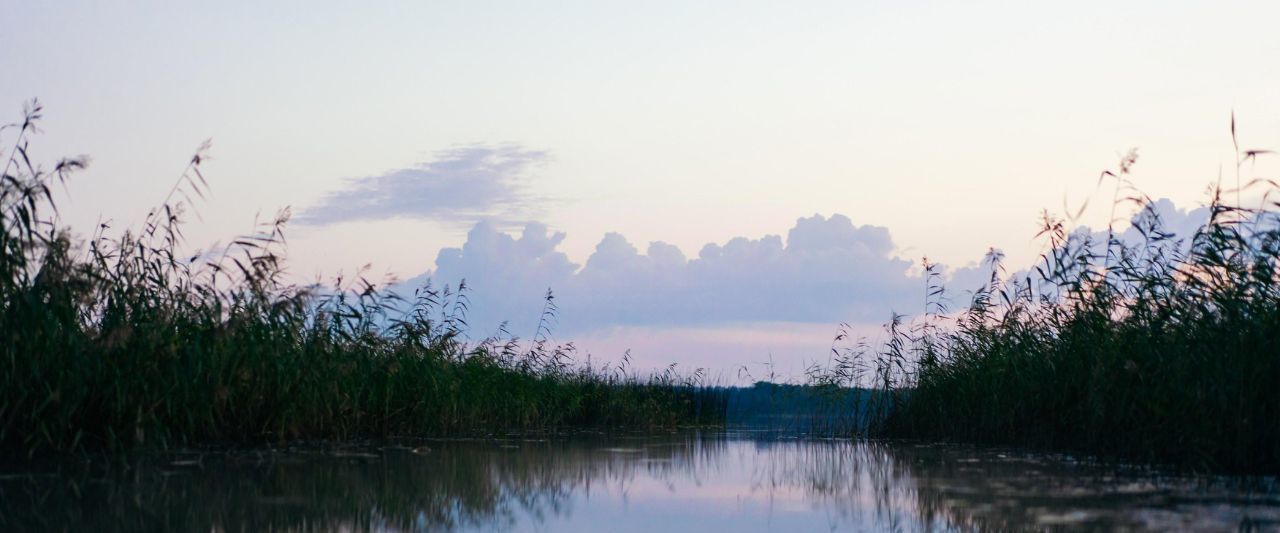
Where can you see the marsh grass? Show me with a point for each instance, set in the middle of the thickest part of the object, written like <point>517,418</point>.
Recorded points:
<point>121,341</point>
<point>1160,348</point>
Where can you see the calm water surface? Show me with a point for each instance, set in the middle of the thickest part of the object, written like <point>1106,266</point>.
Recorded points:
<point>689,481</point>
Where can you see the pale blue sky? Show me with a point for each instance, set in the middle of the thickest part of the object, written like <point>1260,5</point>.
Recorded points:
<point>951,124</point>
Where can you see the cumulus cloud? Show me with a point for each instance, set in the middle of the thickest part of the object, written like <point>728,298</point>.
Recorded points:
<point>827,270</point>
<point>459,184</point>
<point>742,301</point>
<point>1180,222</point>
<point>1177,224</point>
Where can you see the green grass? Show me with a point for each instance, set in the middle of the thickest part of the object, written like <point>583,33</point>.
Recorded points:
<point>118,342</point>
<point>1164,348</point>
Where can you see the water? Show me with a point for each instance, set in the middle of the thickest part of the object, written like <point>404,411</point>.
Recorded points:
<point>690,481</point>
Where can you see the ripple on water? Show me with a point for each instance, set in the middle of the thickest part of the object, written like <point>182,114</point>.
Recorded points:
<point>735,481</point>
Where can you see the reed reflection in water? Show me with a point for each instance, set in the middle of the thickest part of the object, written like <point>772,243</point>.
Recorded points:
<point>688,481</point>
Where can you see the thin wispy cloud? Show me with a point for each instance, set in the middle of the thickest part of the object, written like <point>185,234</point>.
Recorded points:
<point>457,185</point>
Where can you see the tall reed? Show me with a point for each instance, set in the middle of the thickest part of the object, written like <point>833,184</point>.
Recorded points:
<point>122,341</point>
<point>1141,344</point>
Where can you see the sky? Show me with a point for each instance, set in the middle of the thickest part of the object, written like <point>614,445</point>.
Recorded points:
<point>792,162</point>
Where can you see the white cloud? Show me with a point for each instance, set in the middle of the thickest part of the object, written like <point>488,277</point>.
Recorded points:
<point>1170,232</point>
<point>744,300</point>
<point>827,271</point>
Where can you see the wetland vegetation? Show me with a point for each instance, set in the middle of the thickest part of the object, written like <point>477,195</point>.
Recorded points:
<point>120,342</point>
<point>1133,342</point>
<point>1140,343</point>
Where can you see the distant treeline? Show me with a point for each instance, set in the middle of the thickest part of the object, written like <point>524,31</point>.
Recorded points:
<point>801,408</point>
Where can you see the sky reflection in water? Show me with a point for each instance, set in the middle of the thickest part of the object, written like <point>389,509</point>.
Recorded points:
<point>735,481</point>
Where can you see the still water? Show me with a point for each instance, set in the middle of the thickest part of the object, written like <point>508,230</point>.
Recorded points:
<point>688,481</point>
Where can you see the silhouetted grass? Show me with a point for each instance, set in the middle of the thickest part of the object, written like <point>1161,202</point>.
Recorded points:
<point>1160,347</point>
<point>121,342</point>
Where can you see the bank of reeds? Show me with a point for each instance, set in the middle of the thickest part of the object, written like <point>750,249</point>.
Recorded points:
<point>1138,344</point>
<point>120,341</point>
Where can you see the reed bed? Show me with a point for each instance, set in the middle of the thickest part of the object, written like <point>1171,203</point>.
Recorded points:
<point>119,342</point>
<point>1140,344</point>
<point>1133,343</point>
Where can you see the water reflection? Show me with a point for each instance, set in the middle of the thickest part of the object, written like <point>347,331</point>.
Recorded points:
<point>740,481</point>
